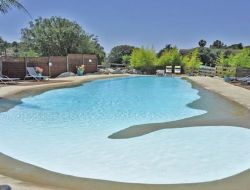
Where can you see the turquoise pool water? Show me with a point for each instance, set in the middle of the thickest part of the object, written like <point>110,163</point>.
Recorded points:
<point>66,130</point>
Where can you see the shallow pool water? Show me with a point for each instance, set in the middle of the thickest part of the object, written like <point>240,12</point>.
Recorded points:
<point>66,130</point>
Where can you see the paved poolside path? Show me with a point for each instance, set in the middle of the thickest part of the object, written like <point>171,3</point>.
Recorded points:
<point>216,84</point>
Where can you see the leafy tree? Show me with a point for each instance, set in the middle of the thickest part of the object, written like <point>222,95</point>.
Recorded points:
<point>3,46</point>
<point>59,36</point>
<point>126,59</point>
<point>14,45</point>
<point>29,53</point>
<point>192,61</point>
<point>118,52</point>
<point>218,44</point>
<point>169,57</point>
<point>241,59</point>
<point>236,46</point>
<point>166,48</point>
<point>207,56</point>
<point>97,49</point>
<point>221,60</point>
<point>227,53</point>
<point>202,43</point>
<point>143,59</point>
<point>6,5</point>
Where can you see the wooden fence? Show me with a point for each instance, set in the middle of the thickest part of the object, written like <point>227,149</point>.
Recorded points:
<point>222,71</point>
<point>242,72</point>
<point>52,66</point>
<point>207,71</point>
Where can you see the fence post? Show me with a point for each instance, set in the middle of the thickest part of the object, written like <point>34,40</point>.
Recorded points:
<point>26,65</point>
<point>49,66</point>
<point>1,65</point>
<point>83,59</point>
<point>67,60</point>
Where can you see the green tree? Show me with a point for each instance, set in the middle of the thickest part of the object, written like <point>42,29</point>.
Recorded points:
<point>143,59</point>
<point>59,36</point>
<point>221,60</point>
<point>218,44</point>
<point>118,52</point>
<point>3,46</point>
<point>96,48</point>
<point>6,5</point>
<point>192,62</point>
<point>169,57</point>
<point>168,47</point>
<point>241,59</point>
<point>236,46</point>
<point>126,59</point>
<point>202,43</point>
<point>208,56</point>
<point>29,53</point>
<point>14,45</point>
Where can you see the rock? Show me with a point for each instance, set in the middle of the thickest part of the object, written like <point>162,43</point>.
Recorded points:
<point>101,71</point>
<point>124,71</point>
<point>139,72</point>
<point>5,187</point>
<point>66,74</point>
<point>117,71</point>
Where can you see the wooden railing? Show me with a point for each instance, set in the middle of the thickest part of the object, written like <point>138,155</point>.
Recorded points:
<point>222,71</point>
<point>207,71</point>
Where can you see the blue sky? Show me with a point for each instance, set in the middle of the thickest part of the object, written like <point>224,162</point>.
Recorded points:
<point>149,23</point>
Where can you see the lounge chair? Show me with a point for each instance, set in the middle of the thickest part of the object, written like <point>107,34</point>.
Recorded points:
<point>243,79</point>
<point>246,82</point>
<point>6,80</point>
<point>160,72</point>
<point>168,69</point>
<point>177,69</point>
<point>31,73</point>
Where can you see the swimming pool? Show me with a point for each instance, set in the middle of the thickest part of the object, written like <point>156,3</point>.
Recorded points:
<point>66,130</point>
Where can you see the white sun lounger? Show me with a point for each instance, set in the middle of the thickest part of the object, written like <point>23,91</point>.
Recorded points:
<point>243,79</point>
<point>168,69</point>
<point>177,69</point>
<point>160,72</point>
<point>6,80</point>
<point>31,73</point>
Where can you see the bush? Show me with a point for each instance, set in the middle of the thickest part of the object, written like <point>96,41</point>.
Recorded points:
<point>241,59</point>
<point>192,62</point>
<point>117,53</point>
<point>143,59</point>
<point>169,57</point>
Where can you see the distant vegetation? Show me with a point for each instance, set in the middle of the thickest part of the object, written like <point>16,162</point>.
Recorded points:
<point>118,54</point>
<point>53,36</point>
<point>218,54</point>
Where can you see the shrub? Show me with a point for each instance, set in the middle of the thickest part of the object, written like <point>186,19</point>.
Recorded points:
<point>241,59</point>
<point>169,57</point>
<point>143,59</point>
<point>117,53</point>
<point>192,62</point>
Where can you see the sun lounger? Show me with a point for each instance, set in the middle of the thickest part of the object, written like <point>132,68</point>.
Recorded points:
<point>177,69</point>
<point>31,73</point>
<point>243,79</point>
<point>160,72</point>
<point>246,82</point>
<point>6,80</point>
<point>168,69</point>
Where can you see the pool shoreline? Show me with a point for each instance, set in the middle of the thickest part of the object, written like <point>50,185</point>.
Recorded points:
<point>41,177</point>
